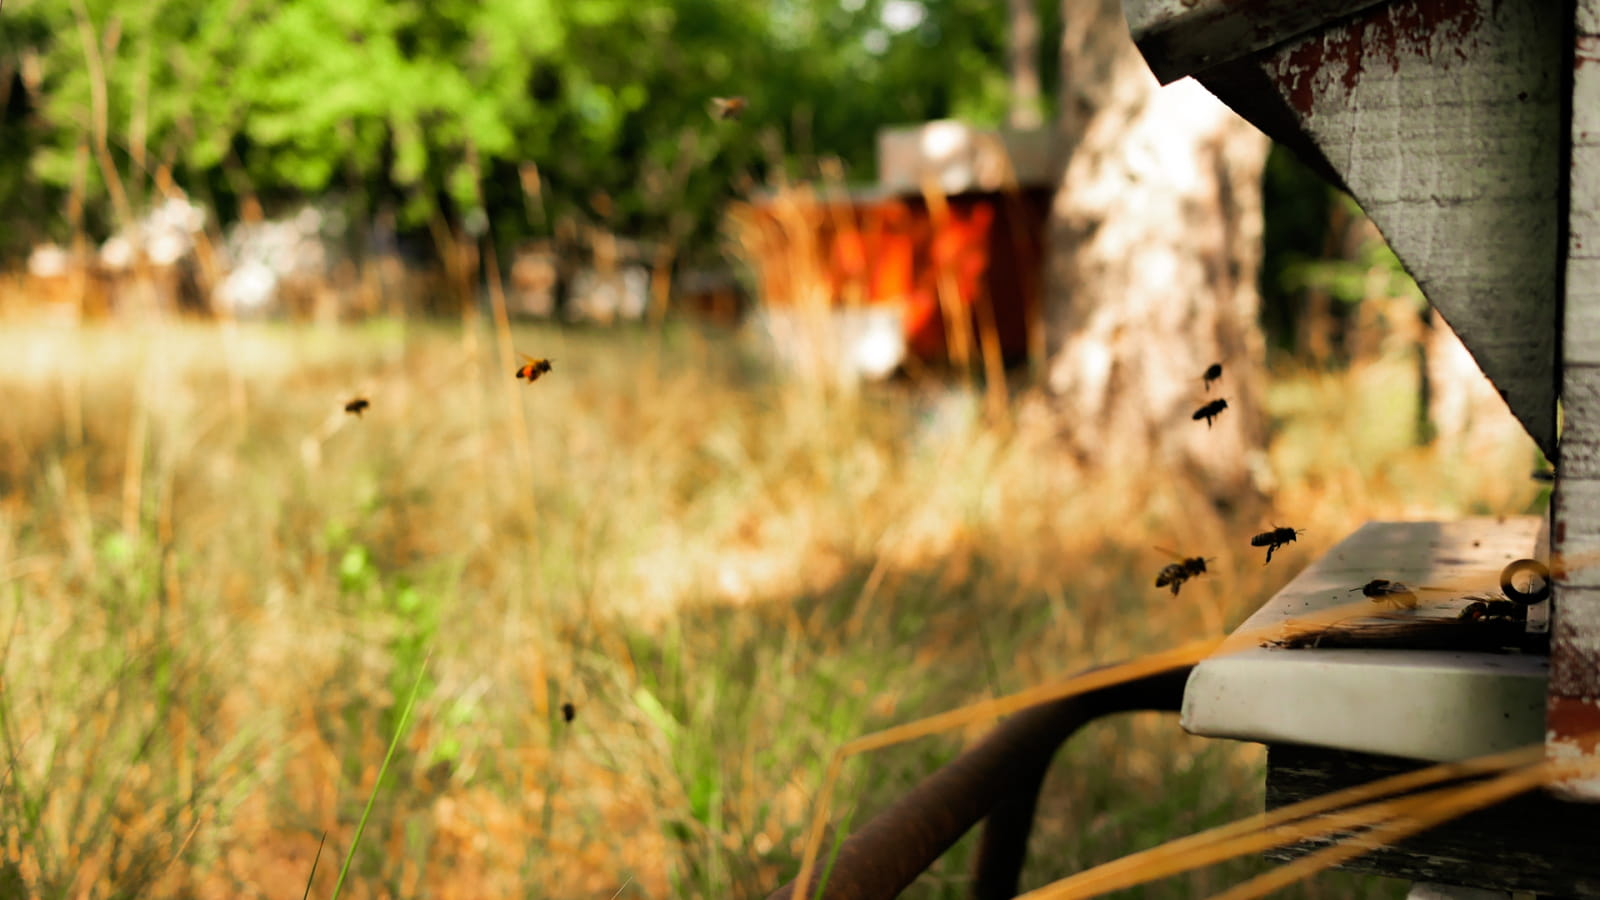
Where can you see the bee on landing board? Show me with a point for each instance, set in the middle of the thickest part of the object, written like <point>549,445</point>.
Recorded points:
<point>1382,590</point>
<point>1213,372</point>
<point>1493,610</point>
<point>1274,539</point>
<point>727,107</point>
<point>357,406</point>
<point>1210,411</point>
<point>532,368</point>
<point>1175,574</point>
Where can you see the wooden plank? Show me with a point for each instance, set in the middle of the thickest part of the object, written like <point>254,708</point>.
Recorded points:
<point>1574,701</point>
<point>1444,120</point>
<point>1183,37</point>
<point>1422,704</point>
<point>1531,843</point>
<point>1582,341</point>
<point>1580,401</point>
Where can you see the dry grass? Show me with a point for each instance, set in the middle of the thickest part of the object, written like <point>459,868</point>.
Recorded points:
<point>216,588</point>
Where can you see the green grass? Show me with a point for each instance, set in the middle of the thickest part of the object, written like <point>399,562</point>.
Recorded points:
<point>216,591</point>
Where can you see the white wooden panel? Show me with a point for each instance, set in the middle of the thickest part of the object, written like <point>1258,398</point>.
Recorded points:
<point>1583,310</point>
<point>1574,702</point>
<point>1444,120</point>
<point>1182,37</point>
<point>1578,531</point>
<point>1430,704</point>
<point>1580,438</point>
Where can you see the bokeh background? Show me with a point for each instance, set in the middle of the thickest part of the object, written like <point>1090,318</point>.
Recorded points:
<point>221,596</point>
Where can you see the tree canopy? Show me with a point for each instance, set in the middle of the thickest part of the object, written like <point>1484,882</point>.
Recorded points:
<point>443,107</point>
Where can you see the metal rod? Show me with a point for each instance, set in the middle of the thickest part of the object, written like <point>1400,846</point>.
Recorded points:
<point>1000,778</point>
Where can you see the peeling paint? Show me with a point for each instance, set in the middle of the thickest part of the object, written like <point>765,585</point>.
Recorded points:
<point>1587,51</point>
<point>1408,28</point>
<point>1574,723</point>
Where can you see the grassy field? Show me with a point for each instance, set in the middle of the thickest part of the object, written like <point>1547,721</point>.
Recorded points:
<point>217,589</point>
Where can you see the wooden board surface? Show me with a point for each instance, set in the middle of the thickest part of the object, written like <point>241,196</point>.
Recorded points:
<point>1444,119</point>
<point>1417,704</point>
<point>1531,843</point>
<point>1574,702</point>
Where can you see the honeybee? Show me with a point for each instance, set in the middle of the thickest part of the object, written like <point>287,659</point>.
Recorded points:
<point>357,406</point>
<point>1274,539</point>
<point>1481,610</point>
<point>727,107</point>
<point>532,368</point>
<point>1213,372</point>
<point>568,712</point>
<point>1175,574</point>
<point>1210,411</point>
<point>1382,590</point>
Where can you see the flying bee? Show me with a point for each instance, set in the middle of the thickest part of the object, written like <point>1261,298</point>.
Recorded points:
<point>568,711</point>
<point>357,406</point>
<point>1382,590</point>
<point>1210,411</point>
<point>532,368</point>
<point>727,107</point>
<point>1275,538</point>
<point>1175,574</point>
<point>1213,372</point>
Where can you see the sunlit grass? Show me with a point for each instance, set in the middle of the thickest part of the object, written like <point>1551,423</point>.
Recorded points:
<point>217,589</point>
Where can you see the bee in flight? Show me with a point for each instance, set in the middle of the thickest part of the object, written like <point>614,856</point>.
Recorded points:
<point>727,107</point>
<point>1213,372</point>
<point>357,406</point>
<point>568,711</point>
<point>532,368</point>
<point>1210,411</point>
<point>1274,539</point>
<point>1173,575</point>
<point>1382,590</point>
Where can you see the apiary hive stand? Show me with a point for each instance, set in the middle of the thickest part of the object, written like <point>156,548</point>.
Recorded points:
<point>1469,130</point>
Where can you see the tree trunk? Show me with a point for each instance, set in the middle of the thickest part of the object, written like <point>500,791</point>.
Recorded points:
<point>1155,246</point>
<point>1022,52</point>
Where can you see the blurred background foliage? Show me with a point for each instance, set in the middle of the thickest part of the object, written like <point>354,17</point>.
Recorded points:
<point>445,108</point>
<point>526,117</point>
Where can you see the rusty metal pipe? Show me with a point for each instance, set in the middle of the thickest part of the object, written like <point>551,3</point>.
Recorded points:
<point>1000,777</point>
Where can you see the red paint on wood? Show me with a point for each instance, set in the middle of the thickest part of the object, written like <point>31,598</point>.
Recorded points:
<point>1386,34</point>
<point>1588,50</point>
<point>1577,719</point>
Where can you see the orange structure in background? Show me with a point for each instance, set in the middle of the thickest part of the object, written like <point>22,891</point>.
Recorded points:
<point>961,269</point>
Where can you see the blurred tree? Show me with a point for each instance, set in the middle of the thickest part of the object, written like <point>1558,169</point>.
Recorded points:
<point>440,109</point>
<point>1156,236</point>
<point>1022,58</point>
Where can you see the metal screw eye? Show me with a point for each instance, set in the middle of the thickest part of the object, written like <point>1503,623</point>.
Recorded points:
<point>1539,585</point>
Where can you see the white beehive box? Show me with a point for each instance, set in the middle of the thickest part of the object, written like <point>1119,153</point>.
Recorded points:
<point>957,158</point>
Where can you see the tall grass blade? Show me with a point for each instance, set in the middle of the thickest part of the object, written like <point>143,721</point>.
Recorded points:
<point>399,731</point>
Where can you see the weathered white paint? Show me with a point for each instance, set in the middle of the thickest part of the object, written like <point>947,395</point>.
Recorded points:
<point>1433,705</point>
<point>1444,121</point>
<point>1582,339</point>
<point>1574,702</point>
<point>1580,401</point>
<point>1181,37</point>
<point>1450,141</point>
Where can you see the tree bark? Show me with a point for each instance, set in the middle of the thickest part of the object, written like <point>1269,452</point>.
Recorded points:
<point>1022,52</point>
<point>1155,247</point>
